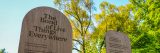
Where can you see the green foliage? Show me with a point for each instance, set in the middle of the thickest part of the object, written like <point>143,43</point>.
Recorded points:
<point>3,51</point>
<point>80,14</point>
<point>140,20</point>
<point>147,11</point>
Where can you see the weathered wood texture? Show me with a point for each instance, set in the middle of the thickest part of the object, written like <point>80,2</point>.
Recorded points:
<point>45,30</point>
<point>117,42</point>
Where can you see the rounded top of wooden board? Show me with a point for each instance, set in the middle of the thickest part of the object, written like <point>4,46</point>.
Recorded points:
<point>45,29</point>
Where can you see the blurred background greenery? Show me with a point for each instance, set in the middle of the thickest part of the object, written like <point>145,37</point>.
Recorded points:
<point>139,19</point>
<point>3,51</point>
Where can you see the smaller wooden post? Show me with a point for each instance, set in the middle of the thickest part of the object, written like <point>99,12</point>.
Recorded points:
<point>117,42</point>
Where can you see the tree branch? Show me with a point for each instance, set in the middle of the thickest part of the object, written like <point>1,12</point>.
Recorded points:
<point>77,50</point>
<point>77,41</point>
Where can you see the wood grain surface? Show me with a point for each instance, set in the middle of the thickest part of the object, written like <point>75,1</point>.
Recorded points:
<point>117,42</point>
<point>45,30</point>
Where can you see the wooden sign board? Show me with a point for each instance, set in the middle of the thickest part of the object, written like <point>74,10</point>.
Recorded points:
<point>117,42</point>
<point>45,30</point>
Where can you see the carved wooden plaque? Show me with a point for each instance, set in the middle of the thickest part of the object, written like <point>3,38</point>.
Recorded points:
<point>117,42</point>
<point>45,30</point>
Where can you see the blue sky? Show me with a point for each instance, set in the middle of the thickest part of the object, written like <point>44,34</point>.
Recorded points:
<point>12,13</point>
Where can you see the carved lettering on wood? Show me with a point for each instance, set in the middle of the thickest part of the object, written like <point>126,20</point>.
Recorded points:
<point>45,30</point>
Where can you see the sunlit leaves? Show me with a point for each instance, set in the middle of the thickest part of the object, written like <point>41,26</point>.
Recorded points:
<point>148,12</point>
<point>140,20</point>
<point>79,13</point>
